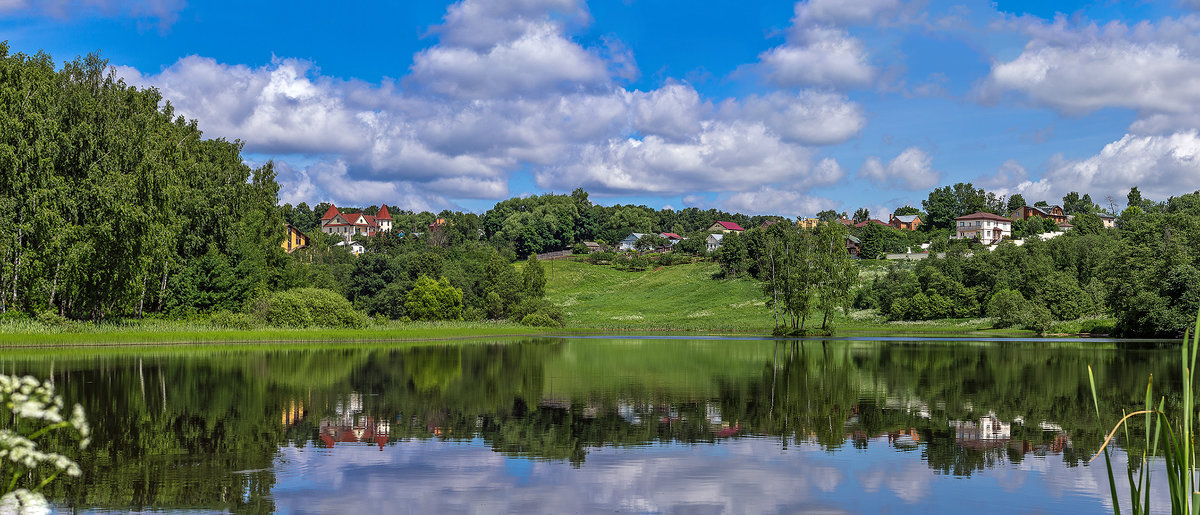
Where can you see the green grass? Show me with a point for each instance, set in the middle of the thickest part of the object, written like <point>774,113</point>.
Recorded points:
<point>686,298</point>
<point>29,333</point>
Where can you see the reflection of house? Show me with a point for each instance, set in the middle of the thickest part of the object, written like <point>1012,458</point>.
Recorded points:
<point>349,425</point>
<point>725,227</point>
<point>294,240</point>
<point>1051,212</point>
<point>293,413</point>
<point>348,225</point>
<point>713,242</point>
<point>989,431</point>
<point>905,222</point>
<point>986,227</point>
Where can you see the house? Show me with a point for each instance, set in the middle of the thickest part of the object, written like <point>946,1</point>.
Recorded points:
<point>439,224</point>
<point>348,225</point>
<point>354,247</point>
<point>808,223</point>
<point>905,222</point>
<point>768,223</point>
<point>630,241</point>
<point>671,237</point>
<point>713,242</point>
<point>1110,221</point>
<point>853,245</point>
<point>725,227</point>
<point>1052,212</point>
<point>1065,226</point>
<point>986,227</point>
<point>864,223</point>
<point>593,246</point>
<point>294,240</point>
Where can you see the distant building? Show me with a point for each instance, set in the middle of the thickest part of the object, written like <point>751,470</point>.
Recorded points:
<point>630,241</point>
<point>1110,221</point>
<point>294,239</point>
<point>1051,212</point>
<point>905,222</point>
<point>725,227</point>
<point>714,241</point>
<point>865,223</point>
<point>853,245</point>
<point>348,225</point>
<point>354,247</point>
<point>808,223</point>
<point>671,237</point>
<point>986,227</point>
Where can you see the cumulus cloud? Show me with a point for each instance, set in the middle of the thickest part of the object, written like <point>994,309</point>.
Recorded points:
<point>1153,68</point>
<point>911,170</point>
<point>1008,175</point>
<point>506,88</point>
<point>777,202</point>
<point>819,56</point>
<point>1160,166</point>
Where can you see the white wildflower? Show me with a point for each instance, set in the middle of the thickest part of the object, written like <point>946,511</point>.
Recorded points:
<point>24,502</point>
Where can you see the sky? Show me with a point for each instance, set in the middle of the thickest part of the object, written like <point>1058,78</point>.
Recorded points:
<point>769,107</point>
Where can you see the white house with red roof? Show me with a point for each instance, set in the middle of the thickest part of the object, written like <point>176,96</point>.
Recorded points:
<point>348,225</point>
<point>986,227</point>
<point>725,227</point>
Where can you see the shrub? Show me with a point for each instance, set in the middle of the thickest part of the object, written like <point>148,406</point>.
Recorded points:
<point>307,307</point>
<point>539,320</point>
<point>1007,307</point>
<point>434,300</point>
<point>579,248</point>
<point>1037,318</point>
<point>637,263</point>
<point>541,307</point>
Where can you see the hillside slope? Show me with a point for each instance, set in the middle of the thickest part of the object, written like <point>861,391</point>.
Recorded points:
<point>682,297</point>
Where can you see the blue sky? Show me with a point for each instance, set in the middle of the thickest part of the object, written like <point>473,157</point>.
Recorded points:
<point>771,107</point>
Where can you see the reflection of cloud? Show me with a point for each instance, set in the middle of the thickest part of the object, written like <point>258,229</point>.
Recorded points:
<point>746,475</point>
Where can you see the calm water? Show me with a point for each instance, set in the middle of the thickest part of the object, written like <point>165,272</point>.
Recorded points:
<point>599,424</point>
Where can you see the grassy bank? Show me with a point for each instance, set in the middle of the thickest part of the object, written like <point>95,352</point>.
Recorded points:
<point>28,333</point>
<point>686,298</point>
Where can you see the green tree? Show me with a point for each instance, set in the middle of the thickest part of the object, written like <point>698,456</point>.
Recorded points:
<point>534,278</point>
<point>1015,201</point>
<point>434,300</point>
<point>861,214</point>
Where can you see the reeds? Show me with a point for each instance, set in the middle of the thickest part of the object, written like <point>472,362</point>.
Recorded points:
<point>1179,450</point>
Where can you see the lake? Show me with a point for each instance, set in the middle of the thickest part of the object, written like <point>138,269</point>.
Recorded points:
<point>592,424</point>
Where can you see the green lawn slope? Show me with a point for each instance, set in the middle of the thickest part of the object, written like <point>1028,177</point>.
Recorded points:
<point>674,298</point>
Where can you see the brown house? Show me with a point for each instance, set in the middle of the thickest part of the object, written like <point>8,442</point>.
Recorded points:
<point>853,245</point>
<point>1054,213</point>
<point>905,222</point>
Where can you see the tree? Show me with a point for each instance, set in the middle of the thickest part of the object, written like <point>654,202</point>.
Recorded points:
<point>949,202</point>
<point>433,300</point>
<point>906,210</point>
<point>1087,223</point>
<point>830,215</point>
<point>650,242</point>
<point>862,214</point>
<point>1134,198</point>
<point>1015,201</point>
<point>534,278</point>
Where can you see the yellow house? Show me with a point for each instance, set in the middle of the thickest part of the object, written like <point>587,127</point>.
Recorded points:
<point>808,223</point>
<point>295,239</point>
<point>725,227</point>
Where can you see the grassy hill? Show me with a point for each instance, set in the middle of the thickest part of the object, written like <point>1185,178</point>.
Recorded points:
<point>682,297</point>
<point>686,298</point>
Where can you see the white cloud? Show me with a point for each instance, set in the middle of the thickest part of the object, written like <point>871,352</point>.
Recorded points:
<point>1006,177</point>
<point>1160,166</point>
<point>674,111</point>
<point>828,171</point>
<point>820,56</point>
<point>771,201</point>
<point>722,157</point>
<point>911,170</point>
<point>844,12</point>
<point>1153,68</point>
<point>807,117</point>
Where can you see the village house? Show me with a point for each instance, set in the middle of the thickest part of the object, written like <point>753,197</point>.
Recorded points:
<point>905,222</point>
<point>808,223</point>
<point>725,227</point>
<point>1110,221</point>
<point>986,227</point>
<point>713,242</point>
<point>354,247</point>
<point>1054,213</point>
<point>853,245</point>
<point>671,237</point>
<point>294,240</point>
<point>348,225</point>
<point>865,223</point>
<point>630,241</point>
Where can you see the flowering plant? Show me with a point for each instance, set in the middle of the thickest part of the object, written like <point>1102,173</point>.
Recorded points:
<point>35,413</point>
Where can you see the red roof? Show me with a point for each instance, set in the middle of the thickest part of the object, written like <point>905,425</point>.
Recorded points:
<point>330,213</point>
<point>671,235</point>
<point>865,222</point>
<point>984,216</point>
<point>383,214</point>
<point>731,226</point>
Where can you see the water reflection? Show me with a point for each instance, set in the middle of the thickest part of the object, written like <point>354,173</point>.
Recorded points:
<point>635,425</point>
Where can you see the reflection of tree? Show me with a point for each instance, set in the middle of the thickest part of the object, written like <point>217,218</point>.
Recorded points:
<point>200,431</point>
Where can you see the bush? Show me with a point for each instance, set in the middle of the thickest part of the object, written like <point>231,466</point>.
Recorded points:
<point>53,320</point>
<point>599,258</point>
<point>434,300</point>
<point>539,320</point>
<point>579,248</point>
<point>672,258</point>
<point>1037,318</point>
<point>228,320</point>
<point>540,307</point>
<point>307,307</point>
<point>1007,307</point>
